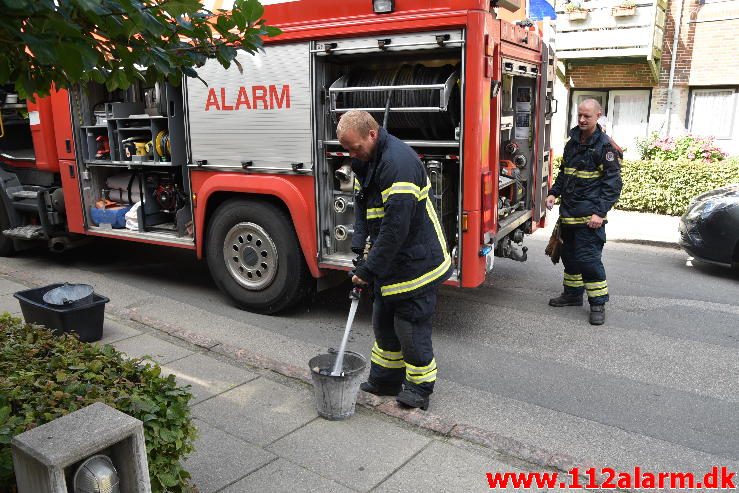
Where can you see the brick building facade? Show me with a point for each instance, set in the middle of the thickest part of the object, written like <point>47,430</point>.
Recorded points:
<point>702,90</point>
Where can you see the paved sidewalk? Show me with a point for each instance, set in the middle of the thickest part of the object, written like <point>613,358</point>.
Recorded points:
<point>259,430</point>
<point>631,227</point>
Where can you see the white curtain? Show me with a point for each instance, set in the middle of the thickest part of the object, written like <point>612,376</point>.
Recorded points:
<point>712,112</point>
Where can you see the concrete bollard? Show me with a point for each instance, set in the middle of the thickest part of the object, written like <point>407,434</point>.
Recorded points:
<point>46,457</point>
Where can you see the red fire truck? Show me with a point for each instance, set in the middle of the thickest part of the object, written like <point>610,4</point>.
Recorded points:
<point>247,170</point>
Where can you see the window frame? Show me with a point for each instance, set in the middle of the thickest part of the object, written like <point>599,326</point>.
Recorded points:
<point>729,133</point>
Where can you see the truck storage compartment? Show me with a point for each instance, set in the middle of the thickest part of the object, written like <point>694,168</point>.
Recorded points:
<point>133,156</point>
<point>412,85</point>
<point>162,203</point>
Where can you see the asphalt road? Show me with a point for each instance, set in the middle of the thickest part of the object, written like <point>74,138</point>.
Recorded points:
<point>657,386</point>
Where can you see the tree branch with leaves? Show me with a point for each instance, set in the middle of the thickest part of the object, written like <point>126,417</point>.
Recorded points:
<point>116,42</point>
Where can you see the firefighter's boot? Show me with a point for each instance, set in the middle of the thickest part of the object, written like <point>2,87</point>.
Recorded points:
<point>565,299</point>
<point>413,399</point>
<point>597,314</point>
<point>380,389</point>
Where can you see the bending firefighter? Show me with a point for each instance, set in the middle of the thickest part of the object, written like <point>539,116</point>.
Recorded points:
<point>588,184</point>
<point>407,261</point>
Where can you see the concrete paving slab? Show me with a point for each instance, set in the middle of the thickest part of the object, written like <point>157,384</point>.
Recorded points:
<point>9,304</point>
<point>444,467</point>
<point>220,459</point>
<point>229,331</point>
<point>282,476</point>
<point>114,331</point>
<point>260,411</point>
<point>162,352</point>
<point>206,375</point>
<point>359,452</point>
<point>10,287</point>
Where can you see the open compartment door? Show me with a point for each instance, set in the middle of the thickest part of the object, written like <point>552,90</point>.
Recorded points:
<point>548,108</point>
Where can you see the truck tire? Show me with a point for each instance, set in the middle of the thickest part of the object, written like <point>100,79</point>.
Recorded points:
<point>254,256</point>
<point>6,244</point>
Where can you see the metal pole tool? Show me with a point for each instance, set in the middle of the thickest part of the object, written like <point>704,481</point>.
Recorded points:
<point>339,364</point>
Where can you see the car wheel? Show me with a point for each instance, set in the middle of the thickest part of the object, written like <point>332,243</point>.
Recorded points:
<point>254,256</point>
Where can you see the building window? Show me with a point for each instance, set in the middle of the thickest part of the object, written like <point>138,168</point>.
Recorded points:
<point>712,112</point>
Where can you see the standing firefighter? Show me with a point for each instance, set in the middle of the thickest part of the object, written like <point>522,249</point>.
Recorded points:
<point>588,184</point>
<point>407,261</point>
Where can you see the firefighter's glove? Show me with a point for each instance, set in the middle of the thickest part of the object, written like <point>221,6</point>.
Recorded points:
<point>358,262</point>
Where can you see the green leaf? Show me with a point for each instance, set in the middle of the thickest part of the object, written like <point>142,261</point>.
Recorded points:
<point>225,23</point>
<point>92,6</point>
<point>71,61</point>
<point>167,479</point>
<point>15,4</point>
<point>5,69</point>
<point>272,31</point>
<point>239,19</point>
<point>251,9</point>
<point>226,53</point>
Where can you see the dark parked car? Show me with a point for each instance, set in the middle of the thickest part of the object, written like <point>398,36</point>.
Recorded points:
<point>709,230</point>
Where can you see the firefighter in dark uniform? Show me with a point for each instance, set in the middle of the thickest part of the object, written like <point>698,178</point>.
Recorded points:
<point>588,184</point>
<point>407,259</point>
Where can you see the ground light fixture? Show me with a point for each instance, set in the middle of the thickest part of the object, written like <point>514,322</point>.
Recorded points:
<point>383,6</point>
<point>96,475</point>
<point>96,449</point>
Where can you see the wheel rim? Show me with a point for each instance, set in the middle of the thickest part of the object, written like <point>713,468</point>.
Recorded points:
<point>250,256</point>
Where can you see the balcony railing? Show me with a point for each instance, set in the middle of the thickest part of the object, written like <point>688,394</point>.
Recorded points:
<point>603,34</point>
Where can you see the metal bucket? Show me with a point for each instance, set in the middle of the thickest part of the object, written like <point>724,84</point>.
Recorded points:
<point>336,396</point>
<point>69,295</point>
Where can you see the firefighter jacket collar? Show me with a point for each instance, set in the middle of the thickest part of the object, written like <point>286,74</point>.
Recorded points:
<point>575,135</point>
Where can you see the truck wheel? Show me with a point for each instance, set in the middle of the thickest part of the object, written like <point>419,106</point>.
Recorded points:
<point>6,244</point>
<point>254,256</point>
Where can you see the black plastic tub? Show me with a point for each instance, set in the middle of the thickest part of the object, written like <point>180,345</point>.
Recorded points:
<point>86,321</point>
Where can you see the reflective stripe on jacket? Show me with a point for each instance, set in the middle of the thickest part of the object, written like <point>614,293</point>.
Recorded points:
<point>409,253</point>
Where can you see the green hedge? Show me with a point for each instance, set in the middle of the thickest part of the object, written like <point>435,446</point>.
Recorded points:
<point>666,187</point>
<point>43,377</point>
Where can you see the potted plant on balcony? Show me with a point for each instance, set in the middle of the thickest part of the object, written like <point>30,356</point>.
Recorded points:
<point>624,9</point>
<point>576,11</point>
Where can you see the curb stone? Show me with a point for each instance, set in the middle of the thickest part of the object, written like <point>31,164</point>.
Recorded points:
<point>654,243</point>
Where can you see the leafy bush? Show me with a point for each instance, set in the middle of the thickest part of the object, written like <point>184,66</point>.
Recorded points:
<point>43,377</point>
<point>667,187</point>
<point>664,187</point>
<point>689,147</point>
